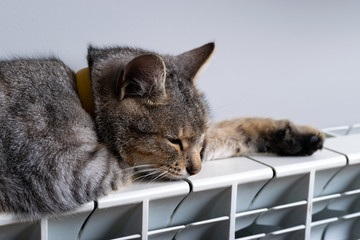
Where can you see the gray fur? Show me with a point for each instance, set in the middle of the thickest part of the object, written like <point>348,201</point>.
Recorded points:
<point>50,158</point>
<point>54,157</point>
<point>186,105</point>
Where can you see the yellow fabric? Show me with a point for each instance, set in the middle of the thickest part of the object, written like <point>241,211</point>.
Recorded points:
<point>84,90</point>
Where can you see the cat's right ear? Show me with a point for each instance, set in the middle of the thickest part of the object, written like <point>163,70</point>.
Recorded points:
<point>143,77</point>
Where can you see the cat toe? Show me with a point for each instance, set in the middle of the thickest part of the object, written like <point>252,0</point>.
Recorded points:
<point>315,143</point>
<point>314,139</point>
<point>300,145</point>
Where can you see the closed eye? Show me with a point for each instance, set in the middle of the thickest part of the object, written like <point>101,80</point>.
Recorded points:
<point>178,143</point>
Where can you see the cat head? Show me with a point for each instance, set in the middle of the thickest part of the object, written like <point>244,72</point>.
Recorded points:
<point>148,110</point>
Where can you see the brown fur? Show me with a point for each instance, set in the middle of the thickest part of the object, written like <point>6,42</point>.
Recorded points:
<point>243,136</point>
<point>148,110</point>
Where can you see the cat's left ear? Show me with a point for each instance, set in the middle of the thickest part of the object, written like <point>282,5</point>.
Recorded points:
<point>190,62</point>
<point>143,77</point>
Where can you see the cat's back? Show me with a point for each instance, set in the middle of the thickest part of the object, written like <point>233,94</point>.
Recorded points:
<point>37,87</point>
<point>38,103</point>
<point>35,76</point>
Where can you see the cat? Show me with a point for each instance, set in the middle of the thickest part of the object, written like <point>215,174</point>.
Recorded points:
<point>149,118</point>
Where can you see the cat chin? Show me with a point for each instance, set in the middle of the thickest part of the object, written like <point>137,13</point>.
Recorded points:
<point>178,177</point>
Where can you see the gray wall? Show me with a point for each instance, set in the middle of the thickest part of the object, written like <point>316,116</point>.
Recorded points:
<point>284,59</point>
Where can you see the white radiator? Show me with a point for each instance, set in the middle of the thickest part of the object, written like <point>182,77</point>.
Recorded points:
<point>256,197</point>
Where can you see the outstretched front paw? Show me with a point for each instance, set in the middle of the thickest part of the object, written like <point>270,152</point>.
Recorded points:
<point>292,140</point>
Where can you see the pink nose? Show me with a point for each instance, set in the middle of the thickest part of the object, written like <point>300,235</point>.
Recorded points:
<point>192,170</point>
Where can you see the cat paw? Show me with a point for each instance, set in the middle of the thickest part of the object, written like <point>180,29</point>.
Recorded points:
<point>293,140</point>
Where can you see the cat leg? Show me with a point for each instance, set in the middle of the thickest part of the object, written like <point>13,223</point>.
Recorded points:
<point>72,170</point>
<point>102,173</point>
<point>244,136</point>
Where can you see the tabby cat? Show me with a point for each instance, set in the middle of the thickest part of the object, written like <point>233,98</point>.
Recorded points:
<point>149,117</point>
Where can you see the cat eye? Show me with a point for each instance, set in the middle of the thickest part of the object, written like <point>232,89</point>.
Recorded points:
<point>177,142</point>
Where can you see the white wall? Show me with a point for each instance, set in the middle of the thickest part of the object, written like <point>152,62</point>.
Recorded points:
<point>285,59</point>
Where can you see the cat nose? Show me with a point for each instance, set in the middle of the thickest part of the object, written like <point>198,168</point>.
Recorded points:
<point>193,160</point>
<point>192,170</point>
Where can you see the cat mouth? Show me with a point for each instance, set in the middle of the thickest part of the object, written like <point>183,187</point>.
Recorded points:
<point>171,174</point>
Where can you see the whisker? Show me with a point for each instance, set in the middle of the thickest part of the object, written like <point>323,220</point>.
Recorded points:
<point>157,177</point>
<point>133,167</point>
<point>141,166</point>
<point>139,179</point>
<point>144,165</point>
<point>142,177</point>
<point>151,172</point>
<point>146,170</point>
<point>163,174</point>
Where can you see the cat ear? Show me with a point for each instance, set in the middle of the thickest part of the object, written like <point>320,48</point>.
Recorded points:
<point>143,77</point>
<point>193,60</point>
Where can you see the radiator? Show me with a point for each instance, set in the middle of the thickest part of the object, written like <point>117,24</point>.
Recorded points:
<point>254,197</point>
